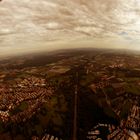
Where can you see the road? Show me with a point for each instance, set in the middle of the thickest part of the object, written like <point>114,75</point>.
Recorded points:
<point>75,110</point>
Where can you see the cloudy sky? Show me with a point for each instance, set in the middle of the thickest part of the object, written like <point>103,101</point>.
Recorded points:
<point>32,25</point>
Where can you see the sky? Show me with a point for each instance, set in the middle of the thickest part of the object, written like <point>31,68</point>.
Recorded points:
<point>35,25</point>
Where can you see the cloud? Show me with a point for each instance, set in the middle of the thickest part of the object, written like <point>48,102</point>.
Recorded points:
<point>24,22</point>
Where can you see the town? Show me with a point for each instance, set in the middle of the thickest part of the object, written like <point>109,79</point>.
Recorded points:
<point>38,98</point>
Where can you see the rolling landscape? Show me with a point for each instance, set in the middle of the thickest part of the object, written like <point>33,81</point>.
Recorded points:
<point>38,95</point>
<point>69,69</point>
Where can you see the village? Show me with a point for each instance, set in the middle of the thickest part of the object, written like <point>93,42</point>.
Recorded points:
<point>113,82</point>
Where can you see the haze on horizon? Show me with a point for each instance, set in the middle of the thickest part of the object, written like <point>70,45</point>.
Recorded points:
<point>37,25</point>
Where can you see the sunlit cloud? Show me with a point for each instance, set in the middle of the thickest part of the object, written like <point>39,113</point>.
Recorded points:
<point>29,22</point>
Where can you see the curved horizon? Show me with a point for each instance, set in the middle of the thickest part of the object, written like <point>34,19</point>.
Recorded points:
<point>33,26</point>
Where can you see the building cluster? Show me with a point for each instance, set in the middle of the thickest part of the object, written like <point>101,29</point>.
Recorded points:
<point>31,81</point>
<point>4,115</point>
<point>47,137</point>
<point>133,120</point>
<point>34,91</point>
<point>99,85</point>
<point>128,129</point>
<point>116,65</point>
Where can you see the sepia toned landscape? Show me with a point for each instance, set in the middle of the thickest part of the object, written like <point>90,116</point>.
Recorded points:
<point>69,69</point>
<point>39,95</point>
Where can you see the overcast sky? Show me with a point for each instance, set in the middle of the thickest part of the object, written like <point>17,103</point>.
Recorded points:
<point>29,25</point>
